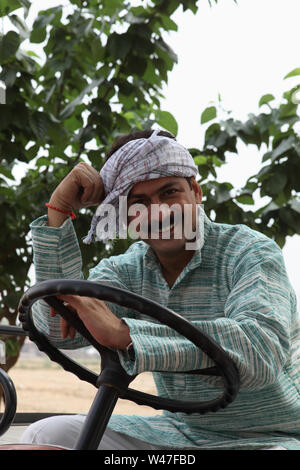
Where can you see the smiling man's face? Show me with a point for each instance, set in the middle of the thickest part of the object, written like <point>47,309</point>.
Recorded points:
<point>164,234</point>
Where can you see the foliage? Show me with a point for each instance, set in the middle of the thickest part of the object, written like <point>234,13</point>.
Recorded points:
<point>275,133</point>
<point>100,74</point>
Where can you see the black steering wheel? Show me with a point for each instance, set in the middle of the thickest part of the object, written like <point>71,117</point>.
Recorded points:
<point>112,373</point>
<point>10,399</point>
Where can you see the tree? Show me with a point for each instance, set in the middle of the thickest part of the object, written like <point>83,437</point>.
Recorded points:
<point>101,73</point>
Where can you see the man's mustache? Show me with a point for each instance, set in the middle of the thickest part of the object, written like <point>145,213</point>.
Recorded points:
<point>166,222</point>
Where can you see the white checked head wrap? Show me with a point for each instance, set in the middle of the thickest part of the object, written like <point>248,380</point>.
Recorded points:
<point>139,160</point>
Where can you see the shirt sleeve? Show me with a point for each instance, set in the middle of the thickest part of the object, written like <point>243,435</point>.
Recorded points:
<point>255,331</point>
<point>56,255</point>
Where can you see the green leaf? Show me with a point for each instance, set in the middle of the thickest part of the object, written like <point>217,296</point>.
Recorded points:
<point>266,156</point>
<point>33,54</point>
<point>7,6</point>
<point>200,160</point>
<point>110,7</point>
<point>212,130</point>
<point>218,140</point>
<point>9,75</point>
<point>284,146</point>
<point>282,198</point>
<point>274,184</point>
<point>167,121</point>
<point>11,344</point>
<point>264,172</point>
<point>280,240</point>
<point>265,99</point>
<point>167,49</point>
<point>43,161</point>
<point>9,44</point>
<point>150,75</point>
<point>136,65</point>
<point>208,114</point>
<point>295,97</point>
<point>168,24</point>
<point>134,19</point>
<point>26,4</point>
<point>39,123</point>
<point>223,192</point>
<point>38,35</point>
<point>293,73</point>
<point>21,25</point>
<point>216,161</point>
<point>245,199</point>
<point>291,218</point>
<point>69,109</point>
<point>191,5</point>
<point>12,299</point>
<point>142,46</point>
<point>45,17</point>
<point>6,172</point>
<point>31,152</point>
<point>119,45</point>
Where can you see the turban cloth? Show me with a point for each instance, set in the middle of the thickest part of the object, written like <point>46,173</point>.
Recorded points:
<point>139,160</point>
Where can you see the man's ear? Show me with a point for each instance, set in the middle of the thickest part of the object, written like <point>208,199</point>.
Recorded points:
<point>197,190</point>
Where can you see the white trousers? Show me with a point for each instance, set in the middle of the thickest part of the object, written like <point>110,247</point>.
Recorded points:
<point>63,431</point>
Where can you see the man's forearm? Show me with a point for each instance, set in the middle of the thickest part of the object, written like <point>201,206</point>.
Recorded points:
<point>56,255</point>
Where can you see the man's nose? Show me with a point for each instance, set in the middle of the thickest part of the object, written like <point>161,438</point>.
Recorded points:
<point>158,212</point>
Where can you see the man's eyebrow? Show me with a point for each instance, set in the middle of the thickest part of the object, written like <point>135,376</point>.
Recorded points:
<point>165,186</point>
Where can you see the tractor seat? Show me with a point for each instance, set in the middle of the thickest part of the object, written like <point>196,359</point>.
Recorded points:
<point>29,447</point>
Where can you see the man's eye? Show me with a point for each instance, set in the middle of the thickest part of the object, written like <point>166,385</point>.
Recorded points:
<point>168,192</point>
<point>142,202</point>
<point>139,201</point>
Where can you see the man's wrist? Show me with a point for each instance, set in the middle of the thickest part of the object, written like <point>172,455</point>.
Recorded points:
<point>56,202</point>
<point>124,336</point>
<point>55,217</point>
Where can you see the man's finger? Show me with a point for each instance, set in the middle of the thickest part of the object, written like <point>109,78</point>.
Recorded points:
<point>72,300</point>
<point>52,312</point>
<point>66,329</point>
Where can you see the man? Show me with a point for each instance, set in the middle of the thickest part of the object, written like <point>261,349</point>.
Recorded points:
<point>232,284</point>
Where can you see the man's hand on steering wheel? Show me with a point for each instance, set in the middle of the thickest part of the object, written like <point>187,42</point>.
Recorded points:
<point>103,325</point>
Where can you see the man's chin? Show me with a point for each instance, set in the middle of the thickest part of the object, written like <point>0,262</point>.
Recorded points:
<point>166,245</point>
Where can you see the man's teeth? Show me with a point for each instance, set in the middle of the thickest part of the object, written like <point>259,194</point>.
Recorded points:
<point>164,229</point>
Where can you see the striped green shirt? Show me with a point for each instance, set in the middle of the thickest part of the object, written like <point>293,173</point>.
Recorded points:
<point>236,289</point>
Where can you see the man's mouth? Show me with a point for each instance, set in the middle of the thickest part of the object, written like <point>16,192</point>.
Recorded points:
<point>165,227</point>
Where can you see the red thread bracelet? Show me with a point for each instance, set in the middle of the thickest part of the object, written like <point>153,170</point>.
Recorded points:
<point>71,214</point>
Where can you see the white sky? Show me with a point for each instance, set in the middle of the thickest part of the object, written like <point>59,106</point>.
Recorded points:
<point>240,52</point>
